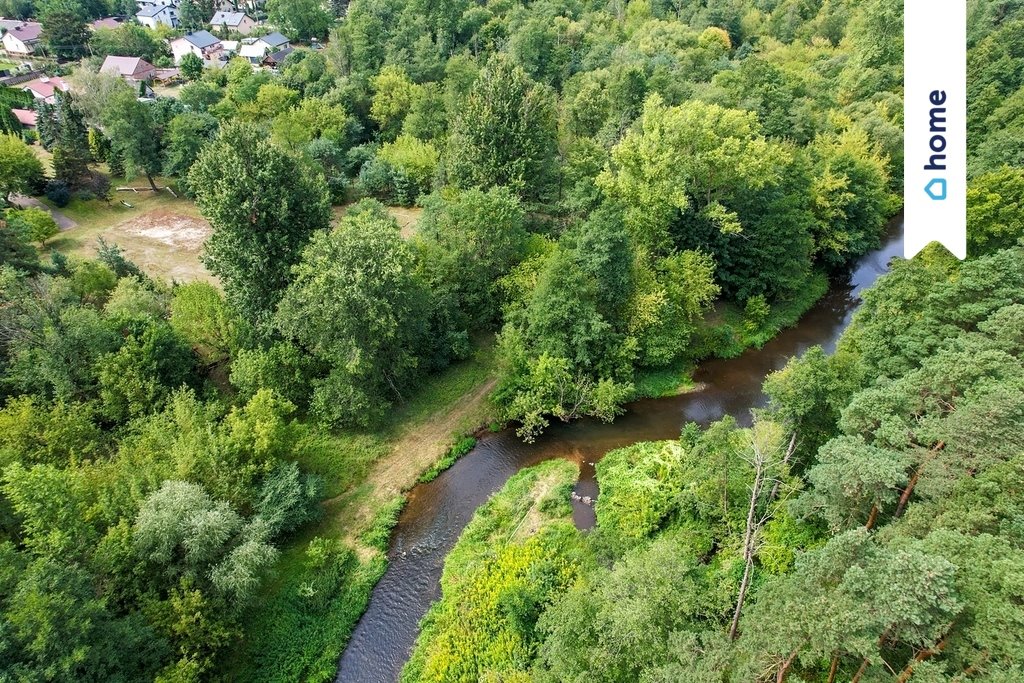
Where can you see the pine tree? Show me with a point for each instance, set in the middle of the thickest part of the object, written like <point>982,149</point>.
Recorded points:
<point>71,155</point>
<point>46,123</point>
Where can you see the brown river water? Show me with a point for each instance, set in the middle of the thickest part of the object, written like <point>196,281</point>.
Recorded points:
<point>438,511</point>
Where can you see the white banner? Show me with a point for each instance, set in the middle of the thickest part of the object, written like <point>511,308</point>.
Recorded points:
<point>935,171</point>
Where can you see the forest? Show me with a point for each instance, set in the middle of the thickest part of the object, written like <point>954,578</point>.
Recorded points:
<point>611,192</point>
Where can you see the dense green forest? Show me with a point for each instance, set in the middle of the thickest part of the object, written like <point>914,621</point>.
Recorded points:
<point>594,178</point>
<point>865,528</point>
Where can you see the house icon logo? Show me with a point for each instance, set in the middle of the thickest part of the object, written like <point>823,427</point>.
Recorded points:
<point>937,190</point>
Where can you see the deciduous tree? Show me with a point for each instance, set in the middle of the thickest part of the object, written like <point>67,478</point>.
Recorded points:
<point>264,206</point>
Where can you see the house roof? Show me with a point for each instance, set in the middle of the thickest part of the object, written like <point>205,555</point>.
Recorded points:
<point>26,32</point>
<point>275,39</point>
<point>167,74</point>
<point>26,117</point>
<point>107,22</point>
<point>46,86</point>
<point>227,18</point>
<point>151,10</point>
<point>201,39</point>
<point>8,24</point>
<point>252,50</point>
<point>279,56</point>
<point>124,66</point>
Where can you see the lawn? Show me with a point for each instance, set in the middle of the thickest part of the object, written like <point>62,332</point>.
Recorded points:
<point>161,233</point>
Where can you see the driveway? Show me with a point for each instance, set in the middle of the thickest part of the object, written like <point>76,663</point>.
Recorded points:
<point>23,202</point>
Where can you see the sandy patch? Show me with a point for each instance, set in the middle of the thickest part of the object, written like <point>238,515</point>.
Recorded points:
<point>164,243</point>
<point>172,229</point>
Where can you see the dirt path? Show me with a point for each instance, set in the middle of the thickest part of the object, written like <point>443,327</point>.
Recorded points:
<point>63,222</point>
<point>413,453</point>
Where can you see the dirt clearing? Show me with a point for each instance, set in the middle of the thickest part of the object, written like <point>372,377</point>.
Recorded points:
<point>164,243</point>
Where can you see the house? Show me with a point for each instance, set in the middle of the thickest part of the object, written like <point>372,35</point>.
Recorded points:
<point>131,69</point>
<point>23,38</point>
<point>44,87</point>
<point>200,43</point>
<point>276,59</point>
<point>142,4</point>
<point>274,42</point>
<point>152,16</point>
<point>107,22</point>
<point>252,51</point>
<point>256,49</point>
<point>239,22</point>
<point>26,117</point>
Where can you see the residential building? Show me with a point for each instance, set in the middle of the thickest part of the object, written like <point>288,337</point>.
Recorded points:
<point>252,50</point>
<point>106,22</point>
<point>239,22</point>
<point>44,87</point>
<point>152,16</point>
<point>26,117</point>
<point>200,43</point>
<point>276,59</point>
<point>256,49</point>
<point>274,41</point>
<point>22,39</point>
<point>131,69</point>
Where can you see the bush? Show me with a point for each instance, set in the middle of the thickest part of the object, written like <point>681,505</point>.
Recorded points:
<point>57,191</point>
<point>357,157</point>
<point>288,498</point>
<point>379,532</point>
<point>640,487</point>
<point>37,225</point>
<point>415,161</point>
<point>112,256</point>
<point>377,179</point>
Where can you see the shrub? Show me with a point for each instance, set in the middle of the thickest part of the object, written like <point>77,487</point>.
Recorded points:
<point>57,191</point>
<point>414,160</point>
<point>459,448</point>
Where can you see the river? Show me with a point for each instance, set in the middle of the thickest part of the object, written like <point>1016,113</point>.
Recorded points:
<point>437,512</point>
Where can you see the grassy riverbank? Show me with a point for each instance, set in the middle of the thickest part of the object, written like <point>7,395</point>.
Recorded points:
<point>297,628</point>
<point>511,559</point>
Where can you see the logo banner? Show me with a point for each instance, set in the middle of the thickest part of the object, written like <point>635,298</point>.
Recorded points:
<point>935,125</point>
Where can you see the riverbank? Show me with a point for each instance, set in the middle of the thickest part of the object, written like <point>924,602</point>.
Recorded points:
<point>324,577</point>
<point>726,333</point>
<point>436,513</point>
<point>518,552</point>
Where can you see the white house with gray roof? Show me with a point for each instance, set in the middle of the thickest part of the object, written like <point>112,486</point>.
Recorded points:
<point>203,44</point>
<point>239,22</point>
<point>152,16</point>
